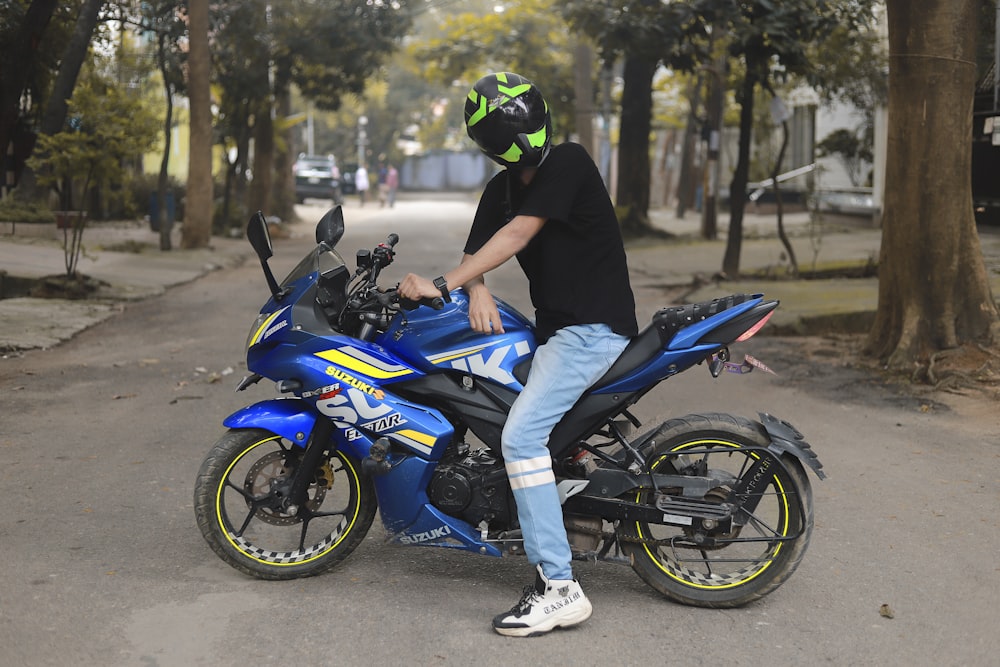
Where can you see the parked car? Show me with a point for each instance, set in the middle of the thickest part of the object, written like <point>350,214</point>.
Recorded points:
<point>316,178</point>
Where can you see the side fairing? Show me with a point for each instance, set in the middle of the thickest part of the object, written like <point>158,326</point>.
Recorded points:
<point>354,391</point>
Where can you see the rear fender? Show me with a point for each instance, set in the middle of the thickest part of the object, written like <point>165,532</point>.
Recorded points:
<point>785,439</point>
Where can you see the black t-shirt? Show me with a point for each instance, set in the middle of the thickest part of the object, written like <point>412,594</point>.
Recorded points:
<point>575,265</point>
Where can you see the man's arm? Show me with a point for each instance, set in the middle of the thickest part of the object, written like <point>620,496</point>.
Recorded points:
<point>507,242</point>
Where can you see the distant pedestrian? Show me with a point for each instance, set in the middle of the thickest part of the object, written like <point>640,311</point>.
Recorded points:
<point>391,185</point>
<point>383,187</point>
<point>361,182</point>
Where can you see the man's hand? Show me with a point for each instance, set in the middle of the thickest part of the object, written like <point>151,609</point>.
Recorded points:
<point>415,287</point>
<point>483,314</point>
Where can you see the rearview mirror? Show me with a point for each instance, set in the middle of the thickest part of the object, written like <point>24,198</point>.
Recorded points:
<point>330,228</point>
<point>259,237</point>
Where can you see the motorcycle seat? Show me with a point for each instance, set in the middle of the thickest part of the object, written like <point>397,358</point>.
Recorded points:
<point>664,325</point>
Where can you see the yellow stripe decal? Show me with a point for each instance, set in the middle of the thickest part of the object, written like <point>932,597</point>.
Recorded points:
<point>457,354</point>
<point>358,366</point>
<point>422,438</point>
<point>264,327</point>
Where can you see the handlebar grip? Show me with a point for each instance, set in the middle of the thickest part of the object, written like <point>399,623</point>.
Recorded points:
<point>437,303</point>
<point>392,240</point>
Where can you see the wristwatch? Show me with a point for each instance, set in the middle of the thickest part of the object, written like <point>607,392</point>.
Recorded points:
<point>442,285</point>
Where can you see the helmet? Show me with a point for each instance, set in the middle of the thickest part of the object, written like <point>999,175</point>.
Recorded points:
<point>509,120</point>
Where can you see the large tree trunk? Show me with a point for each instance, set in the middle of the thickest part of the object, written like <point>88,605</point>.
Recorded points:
<point>263,160</point>
<point>283,192</point>
<point>633,155</point>
<point>197,228</point>
<point>933,288</point>
<point>686,184</point>
<point>738,186</point>
<point>69,69</point>
<point>18,60</point>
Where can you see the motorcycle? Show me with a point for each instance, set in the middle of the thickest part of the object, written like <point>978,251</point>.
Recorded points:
<point>398,406</point>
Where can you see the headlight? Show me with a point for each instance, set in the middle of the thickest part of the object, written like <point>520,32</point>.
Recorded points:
<point>266,325</point>
<point>255,330</point>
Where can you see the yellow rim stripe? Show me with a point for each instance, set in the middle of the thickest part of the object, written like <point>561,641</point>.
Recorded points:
<point>225,531</point>
<point>777,549</point>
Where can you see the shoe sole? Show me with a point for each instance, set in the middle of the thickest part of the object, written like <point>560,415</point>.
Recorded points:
<point>545,628</point>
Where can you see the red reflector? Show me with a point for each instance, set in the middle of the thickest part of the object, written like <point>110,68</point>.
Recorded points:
<point>746,335</point>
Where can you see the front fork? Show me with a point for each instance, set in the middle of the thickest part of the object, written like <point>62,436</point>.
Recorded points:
<point>305,470</point>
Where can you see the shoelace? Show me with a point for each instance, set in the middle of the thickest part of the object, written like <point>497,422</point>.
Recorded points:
<point>528,596</point>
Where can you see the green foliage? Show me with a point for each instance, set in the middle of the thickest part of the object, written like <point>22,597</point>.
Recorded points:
<point>529,38</point>
<point>12,209</point>
<point>671,32</point>
<point>106,125</point>
<point>852,151</point>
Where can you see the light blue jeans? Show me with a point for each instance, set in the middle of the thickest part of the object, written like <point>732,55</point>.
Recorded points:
<point>562,370</point>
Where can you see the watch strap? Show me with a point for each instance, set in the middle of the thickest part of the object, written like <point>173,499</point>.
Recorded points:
<point>442,285</point>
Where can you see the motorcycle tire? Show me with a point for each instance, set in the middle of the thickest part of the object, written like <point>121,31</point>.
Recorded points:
<point>234,502</point>
<point>751,560</point>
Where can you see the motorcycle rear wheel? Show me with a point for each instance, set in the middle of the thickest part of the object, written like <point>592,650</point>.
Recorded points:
<point>235,509</point>
<point>751,561</point>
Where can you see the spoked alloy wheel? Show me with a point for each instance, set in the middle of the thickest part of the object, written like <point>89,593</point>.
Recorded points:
<point>763,547</point>
<point>238,504</point>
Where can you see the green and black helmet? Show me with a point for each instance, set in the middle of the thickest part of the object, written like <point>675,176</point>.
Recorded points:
<point>509,120</point>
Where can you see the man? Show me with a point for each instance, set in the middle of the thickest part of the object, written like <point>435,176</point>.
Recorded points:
<point>550,209</point>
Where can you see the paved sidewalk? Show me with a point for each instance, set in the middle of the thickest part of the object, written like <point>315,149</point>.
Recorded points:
<point>807,306</point>
<point>109,256</point>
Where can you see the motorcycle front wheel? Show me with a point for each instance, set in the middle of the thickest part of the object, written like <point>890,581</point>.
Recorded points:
<point>237,505</point>
<point>759,552</point>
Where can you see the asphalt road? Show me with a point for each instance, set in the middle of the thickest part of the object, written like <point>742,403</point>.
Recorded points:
<point>100,439</point>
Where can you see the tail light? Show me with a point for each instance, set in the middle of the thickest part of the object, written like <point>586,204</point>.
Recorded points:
<point>749,333</point>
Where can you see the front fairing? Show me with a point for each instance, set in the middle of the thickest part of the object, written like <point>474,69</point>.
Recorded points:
<point>299,288</point>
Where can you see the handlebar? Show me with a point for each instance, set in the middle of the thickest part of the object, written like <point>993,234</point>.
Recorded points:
<point>437,303</point>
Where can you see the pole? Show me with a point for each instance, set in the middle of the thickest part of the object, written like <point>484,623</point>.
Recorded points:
<point>996,64</point>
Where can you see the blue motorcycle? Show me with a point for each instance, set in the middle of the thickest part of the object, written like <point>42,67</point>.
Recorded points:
<point>399,407</point>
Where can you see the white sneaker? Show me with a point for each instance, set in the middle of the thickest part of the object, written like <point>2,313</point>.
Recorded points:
<point>543,607</point>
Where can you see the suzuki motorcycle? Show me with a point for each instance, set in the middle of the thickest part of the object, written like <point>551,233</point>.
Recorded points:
<point>399,406</point>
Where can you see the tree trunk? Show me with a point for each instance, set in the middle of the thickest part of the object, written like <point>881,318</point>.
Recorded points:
<point>777,200</point>
<point>197,228</point>
<point>69,69</point>
<point>738,187</point>
<point>165,221</point>
<point>18,61</point>
<point>934,293</point>
<point>263,159</point>
<point>583,89</point>
<point>633,155</point>
<point>283,192</point>
<point>687,182</point>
